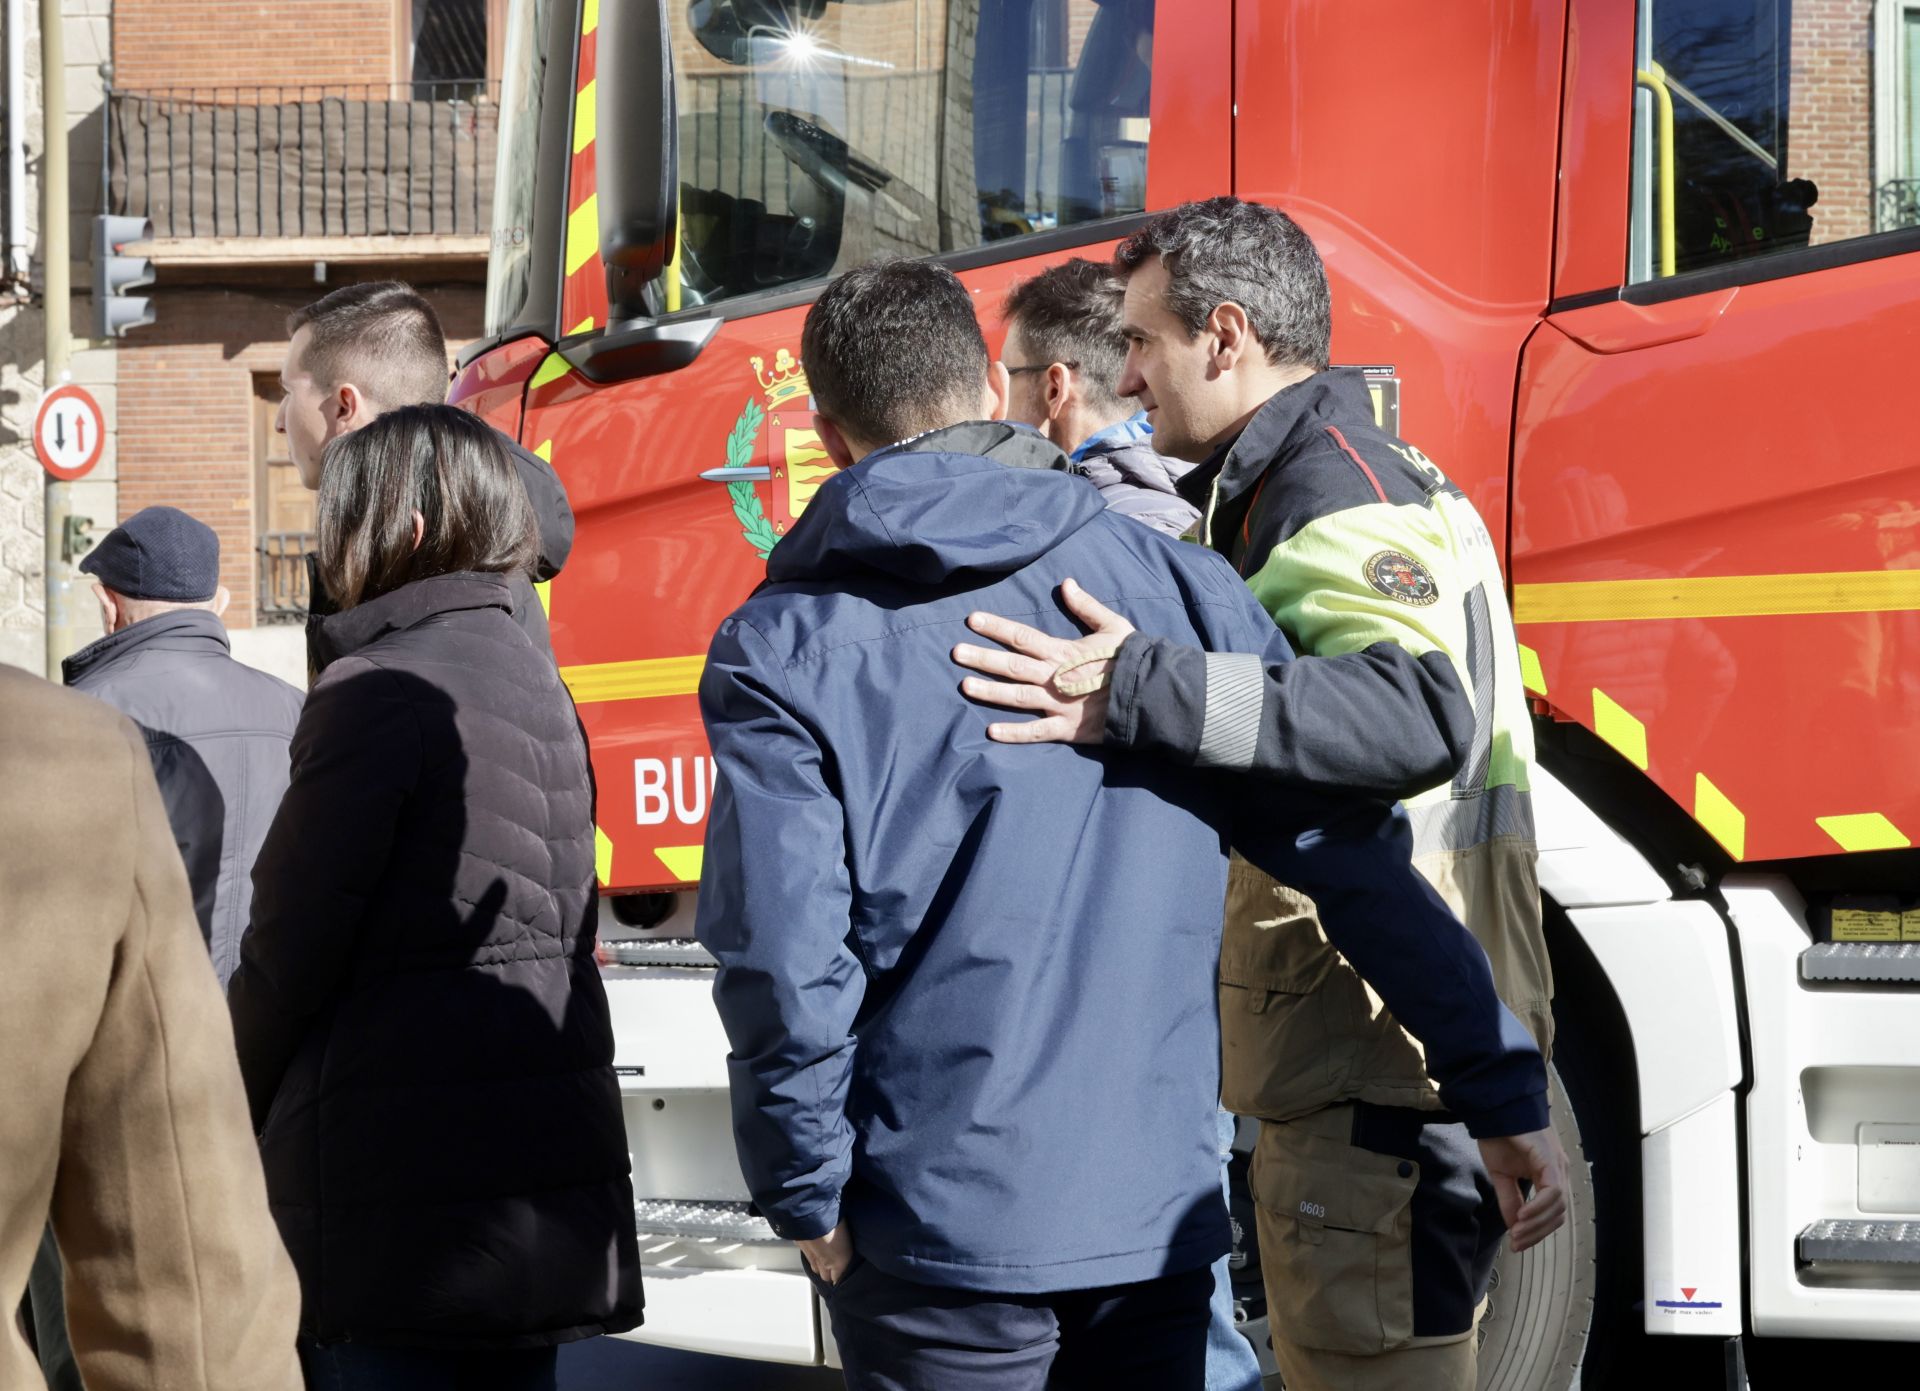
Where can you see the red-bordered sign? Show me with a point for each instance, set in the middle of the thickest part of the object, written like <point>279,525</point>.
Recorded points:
<point>69,432</point>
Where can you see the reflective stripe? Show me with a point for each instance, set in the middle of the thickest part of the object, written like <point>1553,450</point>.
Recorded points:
<point>1612,722</point>
<point>1474,818</point>
<point>1724,821</point>
<point>1718,596</point>
<point>659,676</point>
<point>1473,771</point>
<point>1230,731</point>
<point>1863,831</point>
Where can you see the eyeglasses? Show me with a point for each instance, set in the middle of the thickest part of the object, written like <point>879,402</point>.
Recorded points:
<point>1040,367</point>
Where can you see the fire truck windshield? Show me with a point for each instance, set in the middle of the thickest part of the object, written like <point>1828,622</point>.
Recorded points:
<point>509,253</point>
<point>817,135</point>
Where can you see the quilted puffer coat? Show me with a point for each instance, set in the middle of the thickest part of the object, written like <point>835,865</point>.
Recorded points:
<point>421,1024</point>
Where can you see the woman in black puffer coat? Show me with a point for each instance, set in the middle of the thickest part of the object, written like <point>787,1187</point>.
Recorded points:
<point>420,1020</point>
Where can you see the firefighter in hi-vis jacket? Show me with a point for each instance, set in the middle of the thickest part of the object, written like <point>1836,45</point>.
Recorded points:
<point>1378,1220</point>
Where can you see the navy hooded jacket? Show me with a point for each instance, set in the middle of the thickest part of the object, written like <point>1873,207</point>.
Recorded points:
<point>969,987</point>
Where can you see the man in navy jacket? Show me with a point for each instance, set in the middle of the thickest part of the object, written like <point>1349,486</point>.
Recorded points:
<point>969,987</point>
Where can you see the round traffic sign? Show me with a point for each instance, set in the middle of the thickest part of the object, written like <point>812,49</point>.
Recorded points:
<point>69,432</point>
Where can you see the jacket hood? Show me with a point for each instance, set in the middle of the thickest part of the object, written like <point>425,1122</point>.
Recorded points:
<point>186,630</point>
<point>980,498</point>
<point>345,633</point>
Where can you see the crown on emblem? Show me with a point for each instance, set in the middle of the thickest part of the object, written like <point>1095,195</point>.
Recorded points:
<point>787,380</point>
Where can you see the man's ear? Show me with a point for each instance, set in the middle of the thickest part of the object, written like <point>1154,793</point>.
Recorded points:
<point>834,442</point>
<point>221,598</point>
<point>1059,387</point>
<point>352,407</point>
<point>1232,333</point>
<point>998,396</point>
<point>109,605</point>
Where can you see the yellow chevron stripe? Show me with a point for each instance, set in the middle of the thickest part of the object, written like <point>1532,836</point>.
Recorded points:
<point>583,116</point>
<point>1531,676</point>
<point>1620,729</point>
<point>602,856</point>
<point>1718,596</point>
<point>1864,831</point>
<point>590,16</point>
<point>545,450</point>
<point>551,369</point>
<point>642,680</point>
<point>583,233</point>
<point>683,862</point>
<point>1724,821</point>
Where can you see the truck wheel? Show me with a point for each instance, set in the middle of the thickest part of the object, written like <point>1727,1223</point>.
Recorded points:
<point>1533,1334</point>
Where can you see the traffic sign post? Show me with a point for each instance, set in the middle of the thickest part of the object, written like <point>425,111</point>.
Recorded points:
<point>69,433</point>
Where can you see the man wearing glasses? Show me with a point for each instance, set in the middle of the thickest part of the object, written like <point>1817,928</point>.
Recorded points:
<point>1063,354</point>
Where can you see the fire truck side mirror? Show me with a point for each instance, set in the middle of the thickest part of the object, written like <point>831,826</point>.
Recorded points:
<point>636,153</point>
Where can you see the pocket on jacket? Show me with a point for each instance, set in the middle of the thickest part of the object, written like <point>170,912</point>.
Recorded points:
<point>1275,1055</point>
<point>1336,1225</point>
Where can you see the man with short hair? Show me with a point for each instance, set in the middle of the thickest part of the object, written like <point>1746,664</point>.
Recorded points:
<point>1064,353</point>
<point>1357,546</point>
<point>217,730</point>
<point>969,990</point>
<point>367,349</point>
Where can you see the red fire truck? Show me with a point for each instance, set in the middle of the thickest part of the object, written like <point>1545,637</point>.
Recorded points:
<point>1641,280</point>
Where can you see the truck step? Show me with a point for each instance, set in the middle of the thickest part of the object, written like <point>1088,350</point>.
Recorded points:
<point>1869,1243</point>
<point>1894,963</point>
<point>725,1221</point>
<point>656,951</point>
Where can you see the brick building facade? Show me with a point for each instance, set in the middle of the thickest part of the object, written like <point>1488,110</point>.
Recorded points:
<point>1830,79</point>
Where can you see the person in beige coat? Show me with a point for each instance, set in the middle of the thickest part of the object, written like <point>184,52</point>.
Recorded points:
<point>121,1110</point>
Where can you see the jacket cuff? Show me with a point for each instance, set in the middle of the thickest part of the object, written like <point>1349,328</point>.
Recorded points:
<point>1123,691</point>
<point>808,1222</point>
<point>1156,703</point>
<point>1520,1117</point>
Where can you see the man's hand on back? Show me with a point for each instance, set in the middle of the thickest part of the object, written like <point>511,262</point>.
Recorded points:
<point>1036,668</point>
<point>1538,1159</point>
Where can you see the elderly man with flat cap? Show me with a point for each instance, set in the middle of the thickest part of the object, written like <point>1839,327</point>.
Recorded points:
<point>216,729</point>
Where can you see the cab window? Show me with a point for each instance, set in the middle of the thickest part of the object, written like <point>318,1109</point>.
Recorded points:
<point>1769,126</point>
<point>818,134</point>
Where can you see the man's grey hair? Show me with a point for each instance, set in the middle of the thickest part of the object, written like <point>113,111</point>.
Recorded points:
<point>1227,251</point>
<point>1070,313</point>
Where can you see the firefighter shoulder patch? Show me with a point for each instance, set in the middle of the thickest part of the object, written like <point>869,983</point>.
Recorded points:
<point>1401,577</point>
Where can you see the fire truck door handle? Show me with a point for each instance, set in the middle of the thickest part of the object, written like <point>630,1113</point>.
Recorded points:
<point>1620,326</point>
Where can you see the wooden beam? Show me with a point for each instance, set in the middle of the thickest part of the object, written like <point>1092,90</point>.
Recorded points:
<point>256,251</point>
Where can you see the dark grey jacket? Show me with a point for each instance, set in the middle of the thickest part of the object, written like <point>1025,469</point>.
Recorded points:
<point>420,1020</point>
<point>217,731</point>
<point>1133,479</point>
<point>554,516</point>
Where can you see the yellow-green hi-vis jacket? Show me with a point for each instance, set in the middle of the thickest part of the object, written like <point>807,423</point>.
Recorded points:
<point>1364,552</point>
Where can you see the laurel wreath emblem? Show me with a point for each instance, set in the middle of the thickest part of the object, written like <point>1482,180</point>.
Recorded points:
<point>754,525</point>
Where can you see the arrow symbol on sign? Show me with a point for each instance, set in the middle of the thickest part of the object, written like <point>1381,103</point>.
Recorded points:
<point>1687,1294</point>
<point>80,433</point>
<point>59,430</point>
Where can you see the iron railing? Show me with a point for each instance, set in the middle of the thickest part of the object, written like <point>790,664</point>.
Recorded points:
<point>1898,204</point>
<point>369,159</point>
<point>282,586</point>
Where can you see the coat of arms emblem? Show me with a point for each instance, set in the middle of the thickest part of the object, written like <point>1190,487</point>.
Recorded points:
<point>795,464</point>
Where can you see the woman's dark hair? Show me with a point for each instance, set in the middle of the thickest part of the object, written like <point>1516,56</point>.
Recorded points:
<point>435,460</point>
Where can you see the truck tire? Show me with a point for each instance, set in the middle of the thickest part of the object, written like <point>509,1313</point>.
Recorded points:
<point>1533,1334</point>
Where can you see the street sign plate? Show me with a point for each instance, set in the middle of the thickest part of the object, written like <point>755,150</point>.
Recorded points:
<point>69,432</point>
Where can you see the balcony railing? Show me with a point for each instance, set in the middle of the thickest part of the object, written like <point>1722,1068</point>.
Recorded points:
<point>1899,204</point>
<point>404,159</point>
<point>282,587</point>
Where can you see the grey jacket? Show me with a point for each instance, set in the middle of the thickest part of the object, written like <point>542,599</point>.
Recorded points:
<point>217,732</point>
<point>1134,480</point>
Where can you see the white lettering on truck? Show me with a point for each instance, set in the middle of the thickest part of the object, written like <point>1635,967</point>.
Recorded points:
<point>658,793</point>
